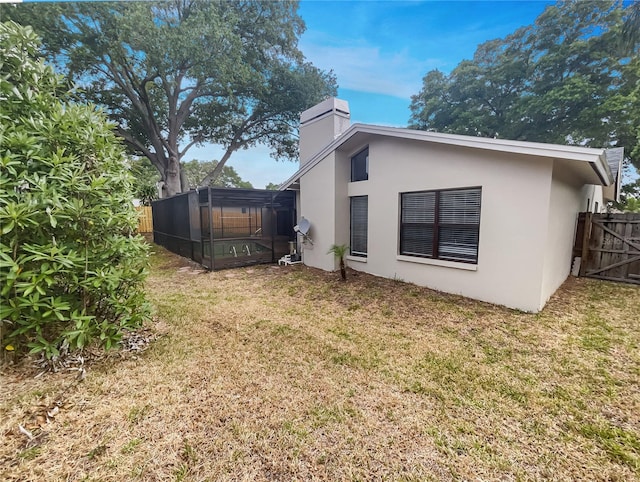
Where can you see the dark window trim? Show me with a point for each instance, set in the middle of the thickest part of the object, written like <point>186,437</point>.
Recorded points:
<point>436,225</point>
<point>366,165</point>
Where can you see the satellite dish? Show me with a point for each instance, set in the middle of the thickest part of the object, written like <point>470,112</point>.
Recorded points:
<point>303,228</point>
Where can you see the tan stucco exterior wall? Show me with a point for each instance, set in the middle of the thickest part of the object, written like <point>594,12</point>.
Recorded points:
<point>592,199</point>
<point>343,203</point>
<point>568,197</point>
<point>318,206</point>
<point>513,228</point>
<point>565,201</point>
<point>320,125</point>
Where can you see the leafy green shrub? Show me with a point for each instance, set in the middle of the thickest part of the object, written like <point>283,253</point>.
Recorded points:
<point>71,269</point>
<point>146,193</point>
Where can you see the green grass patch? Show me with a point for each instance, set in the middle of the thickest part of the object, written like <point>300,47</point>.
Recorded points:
<point>30,453</point>
<point>619,444</point>
<point>324,415</point>
<point>131,446</point>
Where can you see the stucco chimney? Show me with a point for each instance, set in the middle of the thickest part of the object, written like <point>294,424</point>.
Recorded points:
<point>320,125</point>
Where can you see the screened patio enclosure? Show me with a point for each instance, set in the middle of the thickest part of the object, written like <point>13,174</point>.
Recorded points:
<point>224,227</point>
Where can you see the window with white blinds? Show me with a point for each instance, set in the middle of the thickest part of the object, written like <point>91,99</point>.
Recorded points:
<point>359,225</point>
<point>443,224</point>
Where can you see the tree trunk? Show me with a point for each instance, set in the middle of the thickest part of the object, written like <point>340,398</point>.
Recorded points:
<point>172,184</point>
<point>343,271</point>
<point>184,182</point>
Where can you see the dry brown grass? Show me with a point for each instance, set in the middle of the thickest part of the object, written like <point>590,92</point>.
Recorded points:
<point>274,373</point>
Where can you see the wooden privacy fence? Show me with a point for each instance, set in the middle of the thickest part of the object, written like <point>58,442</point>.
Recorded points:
<point>609,245</point>
<point>233,222</point>
<point>145,219</point>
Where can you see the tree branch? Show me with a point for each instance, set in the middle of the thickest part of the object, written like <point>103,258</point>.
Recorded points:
<point>185,105</point>
<point>213,175</point>
<point>128,87</point>
<point>136,144</point>
<point>160,144</point>
<point>195,141</point>
<point>235,144</point>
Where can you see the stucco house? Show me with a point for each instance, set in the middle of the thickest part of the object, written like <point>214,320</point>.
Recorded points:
<point>489,219</point>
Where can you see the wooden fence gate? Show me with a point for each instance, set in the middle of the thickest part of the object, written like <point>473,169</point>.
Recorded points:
<point>609,245</point>
<point>145,221</point>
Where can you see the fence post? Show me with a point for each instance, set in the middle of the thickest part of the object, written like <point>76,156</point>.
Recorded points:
<point>585,243</point>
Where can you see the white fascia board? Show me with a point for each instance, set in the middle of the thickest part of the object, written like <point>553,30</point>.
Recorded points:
<point>319,156</point>
<point>596,157</point>
<point>601,166</point>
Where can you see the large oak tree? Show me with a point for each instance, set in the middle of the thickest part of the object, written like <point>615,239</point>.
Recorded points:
<point>571,77</point>
<point>178,73</point>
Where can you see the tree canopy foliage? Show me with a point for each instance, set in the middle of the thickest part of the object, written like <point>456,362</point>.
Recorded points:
<point>71,268</point>
<point>177,73</point>
<point>194,171</point>
<point>571,77</point>
<point>197,171</point>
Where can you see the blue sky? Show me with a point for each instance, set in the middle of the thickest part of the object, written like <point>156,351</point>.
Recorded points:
<point>379,51</point>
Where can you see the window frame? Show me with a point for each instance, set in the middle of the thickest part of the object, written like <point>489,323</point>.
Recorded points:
<point>359,254</point>
<point>366,165</point>
<point>437,225</point>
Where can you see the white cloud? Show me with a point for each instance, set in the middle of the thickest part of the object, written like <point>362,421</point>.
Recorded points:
<point>368,68</point>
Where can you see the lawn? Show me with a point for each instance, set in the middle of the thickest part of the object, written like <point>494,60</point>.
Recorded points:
<point>286,373</point>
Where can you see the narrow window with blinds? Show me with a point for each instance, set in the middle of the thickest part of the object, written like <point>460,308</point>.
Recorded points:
<point>360,166</point>
<point>359,225</point>
<point>443,224</point>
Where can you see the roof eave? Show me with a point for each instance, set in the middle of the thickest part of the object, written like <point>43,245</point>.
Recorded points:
<point>318,157</point>
<point>596,157</point>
